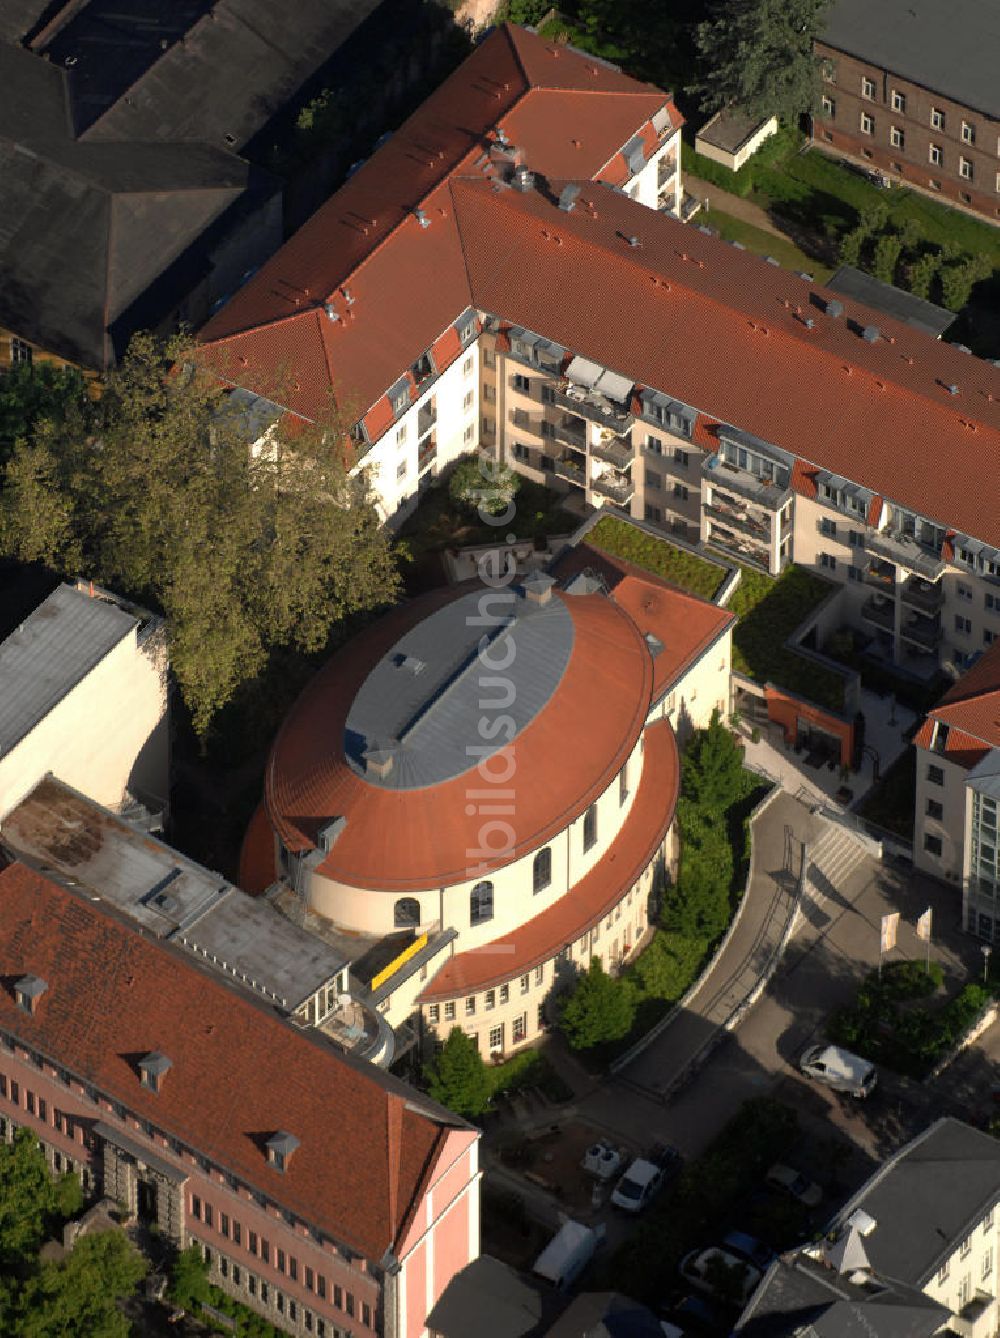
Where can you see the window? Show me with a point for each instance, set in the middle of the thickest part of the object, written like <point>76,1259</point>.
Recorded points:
<point>520,1028</point>
<point>224,1223</point>
<point>489,358</point>
<point>653,479</point>
<point>280,1261</point>
<point>898,101</point>
<point>525,984</point>
<point>623,785</point>
<point>988,1263</point>
<point>937,118</point>
<point>366,1314</point>
<point>965,168</point>
<point>195,1206</point>
<point>828,561</point>
<point>496,1039</point>
<point>293,1268</point>
<point>828,527</point>
<point>208,1214</point>
<point>541,870</point>
<point>828,69</point>
<point>252,1242</point>
<point>490,1001</point>
<point>935,155</point>
<point>401,434</point>
<point>20,352</point>
<point>653,514</point>
<point>521,383</point>
<point>406,913</point>
<point>237,1233</point>
<point>539,974</point>
<point>653,445</point>
<point>829,107</point>
<point>467,401</point>
<point>548,394</point>
<point>521,452</point>
<point>968,133</point>
<point>868,88</point>
<point>469,433</point>
<point>965,1249</point>
<point>401,469</point>
<point>998,181</point>
<point>681,457</point>
<point>681,491</point>
<point>932,844</point>
<point>449,1012</point>
<point>988,1222</point>
<point>988,636</point>
<point>963,592</point>
<point>548,429</point>
<point>896,137</point>
<point>434,1014</point>
<point>265,1251</point>
<point>943,1272</point>
<point>590,827</point>
<point>963,625</point>
<point>935,775</point>
<point>321,1286</point>
<point>935,809</point>
<point>934,185</point>
<point>481,903</point>
<point>867,124</point>
<point>467,367</point>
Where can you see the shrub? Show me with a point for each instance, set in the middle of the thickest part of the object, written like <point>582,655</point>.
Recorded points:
<point>599,1008</point>
<point>483,485</point>
<point>457,1076</point>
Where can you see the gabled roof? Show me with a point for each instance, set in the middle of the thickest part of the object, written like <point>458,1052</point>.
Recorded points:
<point>367,1143</point>
<point>971,708</point>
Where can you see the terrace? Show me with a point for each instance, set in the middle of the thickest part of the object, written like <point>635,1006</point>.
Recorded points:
<point>904,551</point>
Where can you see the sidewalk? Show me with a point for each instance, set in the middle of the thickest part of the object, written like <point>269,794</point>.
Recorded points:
<point>731,204</point>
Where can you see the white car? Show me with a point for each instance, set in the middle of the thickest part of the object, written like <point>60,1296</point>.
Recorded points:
<point>795,1183</point>
<point>640,1183</point>
<point>698,1266</point>
<point>839,1069</point>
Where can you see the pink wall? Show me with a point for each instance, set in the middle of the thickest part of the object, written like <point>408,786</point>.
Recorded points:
<point>416,1292</point>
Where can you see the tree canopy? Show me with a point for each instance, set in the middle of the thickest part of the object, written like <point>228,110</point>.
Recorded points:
<point>32,1202</point>
<point>457,1076</point>
<point>78,1296</point>
<point>31,391</point>
<point>483,485</point>
<point>153,490</point>
<point>757,55</point>
<point>598,1008</point>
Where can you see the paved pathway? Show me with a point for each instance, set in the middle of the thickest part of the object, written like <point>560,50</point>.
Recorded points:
<point>729,203</point>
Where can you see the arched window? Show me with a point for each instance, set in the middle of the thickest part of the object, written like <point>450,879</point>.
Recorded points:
<point>406,913</point>
<point>541,870</point>
<point>481,903</point>
<point>589,827</point>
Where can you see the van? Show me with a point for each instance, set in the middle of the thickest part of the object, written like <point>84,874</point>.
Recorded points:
<point>839,1069</point>
<point>567,1254</point>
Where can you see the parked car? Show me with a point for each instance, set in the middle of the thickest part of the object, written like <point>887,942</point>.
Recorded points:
<point>641,1182</point>
<point>751,1249</point>
<point>700,1267</point>
<point>795,1183</point>
<point>668,1159</point>
<point>839,1069</point>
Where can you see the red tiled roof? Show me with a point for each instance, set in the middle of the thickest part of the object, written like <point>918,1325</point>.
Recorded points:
<point>408,282</point>
<point>257,868</point>
<point>971,707</point>
<point>960,747</point>
<point>725,331</point>
<point>684,624</point>
<point>238,1072</point>
<point>420,838</point>
<point>541,938</point>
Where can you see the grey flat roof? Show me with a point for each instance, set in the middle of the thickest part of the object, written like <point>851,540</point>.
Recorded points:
<point>488,1299</point>
<point>169,895</point>
<point>52,651</point>
<point>422,701</point>
<point>861,287</point>
<point>948,46</point>
<point>730,129</point>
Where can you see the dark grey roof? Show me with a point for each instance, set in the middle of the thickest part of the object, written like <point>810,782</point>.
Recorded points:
<point>948,46</point>
<point>804,1298</point>
<point>927,1198</point>
<point>730,129</point>
<point>489,1300</point>
<point>915,311</point>
<point>423,700</point>
<point>213,70</point>
<point>606,1315</point>
<point>19,17</point>
<point>50,653</point>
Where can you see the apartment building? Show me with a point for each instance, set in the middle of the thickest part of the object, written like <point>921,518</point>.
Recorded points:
<point>910,87</point>
<point>958,790</point>
<point>84,694</point>
<point>914,1252</point>
<point>326,1196</point>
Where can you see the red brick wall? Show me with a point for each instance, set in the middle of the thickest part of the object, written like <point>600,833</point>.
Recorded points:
<point>911,162</point>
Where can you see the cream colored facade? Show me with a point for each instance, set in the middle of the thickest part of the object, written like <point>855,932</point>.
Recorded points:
<point>969,1276</point>
<point>108,736</point>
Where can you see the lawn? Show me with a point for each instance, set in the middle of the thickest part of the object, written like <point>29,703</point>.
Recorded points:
<point>889,804</point>
<point>769,609</point>
<point>686,570</point>
<point>763,243</point>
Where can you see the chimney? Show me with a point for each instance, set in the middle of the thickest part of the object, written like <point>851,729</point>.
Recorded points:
<point>378,760</point>
<point>280,1147</point>
<point>522,179</point>
<point>871,334</point>
<point>331,311</point>
<point>421,218</point>
<point>537,587</point>
<point>28,990</point>
<point>152,1069</point>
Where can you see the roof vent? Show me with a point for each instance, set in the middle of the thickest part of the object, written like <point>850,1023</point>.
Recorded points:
<point>834,308</point>
<point>327,835</point>
<point>952,389</point>
<point>809,323</point>
<point>871,334</point>
<point>331,311</point>
<point>522,179</point>
<point>421,218</point>
<point>538,587</point>
<point>152,1069</point>
<point>655,644</point>
<point>348,296</point>
<point>567,197</point>
<point>280,1147</point>
<point>634,241</point>
<point>28,990</point>
<point>864,1222</point>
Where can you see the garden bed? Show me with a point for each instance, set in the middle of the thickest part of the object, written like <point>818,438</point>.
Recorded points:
<point>690,573</point>
<point>439,522</point>
<point>889,804</point>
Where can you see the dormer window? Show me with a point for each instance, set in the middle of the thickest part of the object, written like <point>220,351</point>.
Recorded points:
<point>280,1147</point>
<point>467,331</point>
<point>28,990</point>
<point>152,1070</point>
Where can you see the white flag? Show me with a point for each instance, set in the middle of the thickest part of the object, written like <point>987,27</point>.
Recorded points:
<point>890,923</point>
<point>924,925</point>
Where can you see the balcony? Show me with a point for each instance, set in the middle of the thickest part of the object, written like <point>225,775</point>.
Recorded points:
<point>571,432</point>
<point>921,631</point>
<point>923,594</point>
<point>613,452</point>
<point>738,546</point>
<point>880,610</point>
<point>589,404</point>
<point>904,551</point>
<point>568,469</point>
<point>426,417</point>
<point>619,489</point>
<point>882,575</point>
<point>426,452</point>
<point>741,519</point>
<point>765,492</point>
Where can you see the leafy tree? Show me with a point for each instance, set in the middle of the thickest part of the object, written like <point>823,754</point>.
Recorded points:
<point>155,492</point>
<point>912,234</point>
<point>189,1285</point>
<point>712,774</point>
<point>483,485</point>
<point>850,246</point>
<point>958,280</point>
<point>887,253</point>
<point>78,1297</point>
<point>31,1201</point>
<point>30,392</point>
<point>598,1008</point>
<point>758,55</point>
<point>873,217</point>
<point>457,1076</point>
<point>922,272</point>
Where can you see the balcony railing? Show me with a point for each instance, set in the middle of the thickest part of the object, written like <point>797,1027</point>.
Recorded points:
<point>426,418</point>
<point>427,453</point>
<point>620,490</point>
<point>571,434</point>
<point>881,611</point>
<point>740,519</point>
<point>904,551</point>
<point>739,546</point>
<point>882,575</point>
<point>613,452</point>
<point>765,492</point>
<point>923,594</point>
<point>568,469</point>
<point>590,405</point>
<point>921,631</point>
